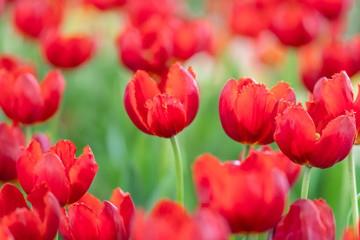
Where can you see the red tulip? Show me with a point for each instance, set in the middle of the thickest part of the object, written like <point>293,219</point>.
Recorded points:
<point>163,109</point>
<point>251,195</point>
<point>146,48</point>
<point>43,140</point>
<point>24,100</point>
<point>302,136</point>
<point>301,26</point>
<point>67,51</point>
<point>33,17</point>
<point>331,9</point>
<point>246,109</point>
<point>67,177</point>
<point>276,159</point>
<point>170,221</point>
<point>11,139</point>
<point>89,218</point>
<point>307,220</point>
<point>105,4</point>
<point>14,65</point>
<point>19,222</point>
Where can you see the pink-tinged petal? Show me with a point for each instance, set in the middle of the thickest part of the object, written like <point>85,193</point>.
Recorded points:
<point>342,131</point>
<point>166,116</point>
<point>335,93</point>
<point>181,85</point>
<point>295,134</point>
<point>110,222</point>
<point>48,209</point>
<point>81,174</point>
<point>26,165</point>
<point>43,140</point>
<point>5,234</point>
<point>357,116</point>
<point>7,98</point>
<point>283,91</point>
<point>51,171</point>
<point>64,227</point>
<point>11,138</point>
<point>66,150</point>
<point>28,101</point>
<point>52,89</point>
<point>92,202</point>
<point>10,199</point>
<point>83,222</point>
<point>137,92</point>
<point>327,218</point>
<point>23,224</point>
<point>125,206</point>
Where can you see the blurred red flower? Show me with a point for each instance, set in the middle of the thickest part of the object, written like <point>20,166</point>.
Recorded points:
<point>89,218</point>
<point>67,51</point>
<point>24,100</point>
<point>15,65</point>
<point>67,177</point>
<point>105,4</point>
<point>163,109</point>
<point>349,234</point>
<point>33,17</point>
<point>250,195</point>
<point>247,109</point>
<point>307,219</point>
<point>11,139</point>
<point>170,221</point>
<point>43,140</point>
<point>17,221</point>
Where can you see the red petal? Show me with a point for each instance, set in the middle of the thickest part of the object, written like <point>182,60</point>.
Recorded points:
<point>66,150</point>
<point>340,86</point>
<point>7,97</point>
<point>51,171</point>
<point>326,217</point>
<point>92,202</point>
<point>181,85</point>
<point>10,199</point>
<point>295,134</point>
<point>166,116</point>
<point>83,222</point>
<point>137,92</point>
<point>319,115</point>
<point>52,89</point>
<point>5,234</point>
<point>64,228</point>
<point>342,131</point>
<point>125,206</point>
<point>283,91</point>
<point>26,165</point>
<point>81,174</point>
<point>44,141</point>
<point>111,224</point>
<point>357,116</point>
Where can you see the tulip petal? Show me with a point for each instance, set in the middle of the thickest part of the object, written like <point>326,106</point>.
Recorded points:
<point>64,227</point>
<point>110,222</point>
<point>174,214</point>
<point>7,98</point>
<point>83,222</point>
<point>283,91</point>
<point>357,116</point>
<point>92,202</point>
<point>326,217</point>
<point>10,199</point>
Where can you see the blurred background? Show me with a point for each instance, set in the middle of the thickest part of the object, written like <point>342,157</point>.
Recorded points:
<point>245,42</point>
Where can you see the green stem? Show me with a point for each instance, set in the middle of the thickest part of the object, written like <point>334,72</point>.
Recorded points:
<point>252,236</point>
<point>28,134</point>
<point>305,182</point>
<point>353,192</point>
<point>246,150</point>
<point>179,171</point>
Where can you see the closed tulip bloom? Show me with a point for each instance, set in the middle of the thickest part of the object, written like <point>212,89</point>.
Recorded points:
<point>170,221</point>
<point>250,195</point>
<point>307,219</point>
<point>302,136</point>
<point>18,222</point>
<point>24,100</point>
<point>67,177</point>
<point>247,109</point>
<point>89,218</point>
<point>11,139</point>
<point>33,17</point>
<point>163,109</point>
<point>67,51</point>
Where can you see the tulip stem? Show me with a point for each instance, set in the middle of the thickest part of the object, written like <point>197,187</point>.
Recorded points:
<point>246,149</point>
<point>179,171</point>
<point>28,134</point>
<point>353,192</point>
<point>305,182</point>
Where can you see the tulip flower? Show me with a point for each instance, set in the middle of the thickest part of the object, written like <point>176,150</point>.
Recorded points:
<point>105,4</point>
<point>247,109</point>
<point>26,101</point>
<point>89,218</point>
<point>67,51</point>
<point>170,221</point>
<point>250,195</point>
<point>332,9</point>
<point>147,48</point>
<point>163,109</point>
<point>14,65</point>
<point>67,177</point>
<point>33,17</point>
<point>18,221</point>
<point>11,139</point>
<point>301,27</point>
<point>307,220</point>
